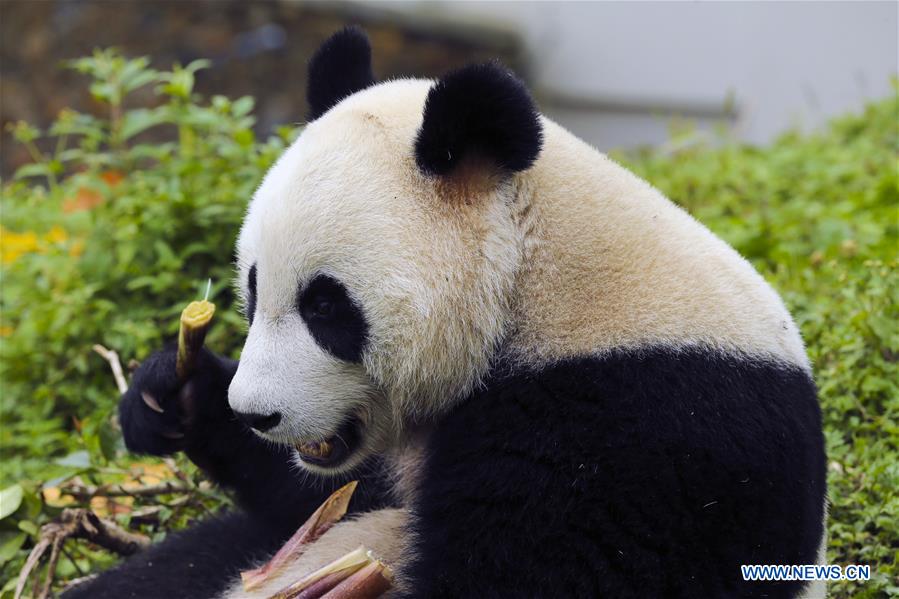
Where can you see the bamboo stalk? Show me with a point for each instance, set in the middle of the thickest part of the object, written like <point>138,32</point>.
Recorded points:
<point>331,511</point>
<point>324,584</point>
<point>373,580</point>
<point>195,321</point>
<point>343,567</point>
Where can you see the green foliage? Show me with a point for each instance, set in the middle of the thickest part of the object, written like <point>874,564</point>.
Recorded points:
<point>112,252</point>
<point>105,239</point>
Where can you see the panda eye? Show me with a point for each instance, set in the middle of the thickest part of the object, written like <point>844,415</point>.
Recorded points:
<point>251,294</point>
<point>335,321</point>
<point>321,308</point>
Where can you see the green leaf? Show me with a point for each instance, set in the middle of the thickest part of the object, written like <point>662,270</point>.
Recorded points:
<point>139,120</point>
<point>108,441</point>
<point>29,527</point>
<point>76,123</point>
<point>71,154</point>
<point>242,106</point>
<point>10,500</point>
<point>56,481</point>
<point>244,137</point>
<point>199,64</point>
<point>133,81</point>
<point>105,92</point>
<point>33,170</point>
<point>23,132</point>
<point>76,459</point>
<point>10,544</point>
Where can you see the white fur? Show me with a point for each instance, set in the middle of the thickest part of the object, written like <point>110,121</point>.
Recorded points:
<point>434,278</point>
<point>818,589</point>
<point>614,264</point>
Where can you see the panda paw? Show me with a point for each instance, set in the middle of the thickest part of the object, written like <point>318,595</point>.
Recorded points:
<point>159,415</point>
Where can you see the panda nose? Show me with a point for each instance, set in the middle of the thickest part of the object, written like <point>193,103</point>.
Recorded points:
<point>261,422</point>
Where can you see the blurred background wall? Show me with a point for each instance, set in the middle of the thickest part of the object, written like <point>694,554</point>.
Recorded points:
<point>616,73</point>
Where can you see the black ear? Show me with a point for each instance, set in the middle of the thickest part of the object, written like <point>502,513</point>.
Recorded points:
<point>481,109</point>
<point>339,68</point>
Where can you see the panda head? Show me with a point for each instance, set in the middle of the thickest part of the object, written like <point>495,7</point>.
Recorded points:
<point>377,258</point>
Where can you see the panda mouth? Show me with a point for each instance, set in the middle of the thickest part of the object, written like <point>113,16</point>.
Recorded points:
<point>334,450</point>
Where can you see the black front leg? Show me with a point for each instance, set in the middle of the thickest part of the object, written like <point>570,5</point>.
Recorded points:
<point>160,415</point>
<point>198,563</point>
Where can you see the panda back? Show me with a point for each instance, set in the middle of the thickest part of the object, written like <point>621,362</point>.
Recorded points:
<point>610,263</point>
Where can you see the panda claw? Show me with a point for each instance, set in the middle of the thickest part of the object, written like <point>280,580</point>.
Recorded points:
<point>151,402</point>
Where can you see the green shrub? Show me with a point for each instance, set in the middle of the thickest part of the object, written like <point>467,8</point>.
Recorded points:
<point>123,234</point>
<point>106,239</point>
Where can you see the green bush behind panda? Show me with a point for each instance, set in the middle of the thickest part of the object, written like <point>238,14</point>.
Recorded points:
<point>549,379</point>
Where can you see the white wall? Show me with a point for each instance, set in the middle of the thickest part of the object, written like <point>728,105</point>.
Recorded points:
<point>615,72</point>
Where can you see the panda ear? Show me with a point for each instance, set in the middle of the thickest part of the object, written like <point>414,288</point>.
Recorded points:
<point>483,110</point>
<point>339,68</point>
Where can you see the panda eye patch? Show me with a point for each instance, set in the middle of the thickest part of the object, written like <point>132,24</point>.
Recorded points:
<point>336,322</point>
<point>251,294</point>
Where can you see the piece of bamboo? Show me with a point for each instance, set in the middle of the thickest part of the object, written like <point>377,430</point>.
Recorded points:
<point>328,514</point>
<point>195,321</point>
<point>342,569</point>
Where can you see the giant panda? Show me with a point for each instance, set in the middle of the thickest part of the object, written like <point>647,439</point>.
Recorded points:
<point>550,380</point>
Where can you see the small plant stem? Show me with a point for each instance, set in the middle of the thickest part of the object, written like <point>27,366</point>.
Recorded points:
<point>85,492</point>
<point>113,358</point>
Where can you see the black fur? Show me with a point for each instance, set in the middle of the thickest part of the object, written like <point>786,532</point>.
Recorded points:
<point>199,562</point>
<point>275,496</point>
<point>338,69</point>
<point>251,294</point>
<point>480,109</point>
<point>335,321</point>
<point>635,475</point>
